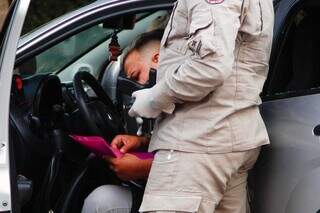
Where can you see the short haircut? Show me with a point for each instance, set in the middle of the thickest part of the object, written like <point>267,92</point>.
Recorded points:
<point>142,41</point>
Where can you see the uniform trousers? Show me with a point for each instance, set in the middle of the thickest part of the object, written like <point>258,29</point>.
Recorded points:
<point>198,182</point>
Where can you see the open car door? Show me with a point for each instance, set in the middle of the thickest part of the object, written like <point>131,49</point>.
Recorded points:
<point>9,38</point>
<point>288,171</point>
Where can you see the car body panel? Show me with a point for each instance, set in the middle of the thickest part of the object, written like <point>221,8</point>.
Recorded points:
<point>289,169</point>
<point>7,60</point>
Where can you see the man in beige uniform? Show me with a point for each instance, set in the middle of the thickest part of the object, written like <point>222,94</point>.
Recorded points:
<point>213,64</point>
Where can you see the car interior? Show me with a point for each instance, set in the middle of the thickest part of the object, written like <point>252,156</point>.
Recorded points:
<point>73,88</point>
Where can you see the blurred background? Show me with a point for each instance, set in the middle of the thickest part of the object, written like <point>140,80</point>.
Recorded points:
<point>4,5</point>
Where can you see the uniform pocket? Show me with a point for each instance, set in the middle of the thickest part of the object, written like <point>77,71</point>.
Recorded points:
<point>204,19</point>
<point>163,170</point>
<point>201,34</point>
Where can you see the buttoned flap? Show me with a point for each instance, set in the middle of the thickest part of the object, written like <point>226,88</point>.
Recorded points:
<point>201,39</point>
<point>202,20</point>
<point>170,203</point>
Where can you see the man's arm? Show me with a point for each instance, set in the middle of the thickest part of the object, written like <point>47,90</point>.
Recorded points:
<point>129,167</point>
<point>213,54</point>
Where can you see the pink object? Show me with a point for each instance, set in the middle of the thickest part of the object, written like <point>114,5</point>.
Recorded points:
<point>99,146</point>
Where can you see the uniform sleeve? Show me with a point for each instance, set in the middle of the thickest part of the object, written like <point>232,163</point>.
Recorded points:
<point>212,35</point>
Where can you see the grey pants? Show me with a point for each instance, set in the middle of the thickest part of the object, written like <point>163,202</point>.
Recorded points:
<point>108,199</point>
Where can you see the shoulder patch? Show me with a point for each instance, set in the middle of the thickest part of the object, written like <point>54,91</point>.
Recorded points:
<point>215,1</point>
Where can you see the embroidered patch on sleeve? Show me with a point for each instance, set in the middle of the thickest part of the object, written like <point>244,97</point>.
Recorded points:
<point>195,46</point>
<point>215,1</point>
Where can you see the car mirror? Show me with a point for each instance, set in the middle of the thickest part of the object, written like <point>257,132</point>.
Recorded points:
<point>124,22</point>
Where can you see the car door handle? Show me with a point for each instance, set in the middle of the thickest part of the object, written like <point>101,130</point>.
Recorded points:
<point>316,130</point>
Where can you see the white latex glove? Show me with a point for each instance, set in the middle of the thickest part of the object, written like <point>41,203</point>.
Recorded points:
<point>142,106</point>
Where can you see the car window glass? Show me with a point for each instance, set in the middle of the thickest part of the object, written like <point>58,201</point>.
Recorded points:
<point>96,60</point>
<point>43,11</point>
<point>58,58</point>
<point>298,66</point>
<point>60,55</point>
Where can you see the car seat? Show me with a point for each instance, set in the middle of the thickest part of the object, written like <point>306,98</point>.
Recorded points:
<point>109,79</point>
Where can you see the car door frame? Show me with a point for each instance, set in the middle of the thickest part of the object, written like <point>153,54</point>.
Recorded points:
<point>12,30</point>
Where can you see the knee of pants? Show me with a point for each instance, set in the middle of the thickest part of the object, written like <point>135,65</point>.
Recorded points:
<point>108,199</point>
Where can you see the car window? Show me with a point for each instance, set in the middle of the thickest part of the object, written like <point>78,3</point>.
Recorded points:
<point>61,58</point>
<point>96,60</point>
<point>42,11</point>
<point>65,52</point>
<point>297,69</point>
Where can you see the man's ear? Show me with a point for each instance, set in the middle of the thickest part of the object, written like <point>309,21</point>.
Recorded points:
<point>154,61</point>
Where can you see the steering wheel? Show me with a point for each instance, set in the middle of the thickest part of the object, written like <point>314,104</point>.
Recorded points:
<point>99,113</point>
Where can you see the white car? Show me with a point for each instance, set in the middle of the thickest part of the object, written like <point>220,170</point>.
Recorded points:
<point>58,80</point>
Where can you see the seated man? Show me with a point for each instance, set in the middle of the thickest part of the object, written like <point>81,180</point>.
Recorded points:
<point>141,56</point>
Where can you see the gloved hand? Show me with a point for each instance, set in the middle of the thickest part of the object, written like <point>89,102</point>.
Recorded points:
<point>142,106</point>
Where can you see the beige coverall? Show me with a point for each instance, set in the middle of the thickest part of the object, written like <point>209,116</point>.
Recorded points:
<point>213,63</point>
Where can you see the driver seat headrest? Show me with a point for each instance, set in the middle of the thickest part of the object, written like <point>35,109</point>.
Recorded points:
<point>110,78</point>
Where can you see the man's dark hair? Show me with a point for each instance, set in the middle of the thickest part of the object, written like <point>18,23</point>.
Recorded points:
<point>142,41</point>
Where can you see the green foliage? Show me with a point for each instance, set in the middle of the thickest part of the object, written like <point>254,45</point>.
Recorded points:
<point>43,11</point>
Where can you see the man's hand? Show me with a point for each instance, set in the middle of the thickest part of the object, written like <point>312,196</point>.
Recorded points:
<point>129,167</point>
<point>142,106</point>
<point>126,143</point>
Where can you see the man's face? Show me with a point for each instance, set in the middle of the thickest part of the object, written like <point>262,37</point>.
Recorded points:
<point>137,67</point>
